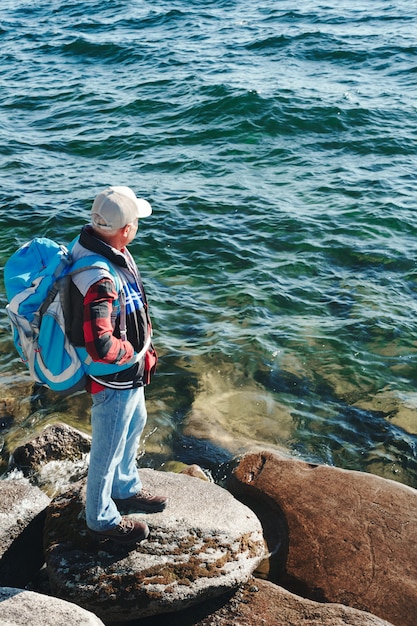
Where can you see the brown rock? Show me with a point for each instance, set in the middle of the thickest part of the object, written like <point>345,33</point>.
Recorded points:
<point>352,536</point>
<point>195,471</point>
<point>261,602</point>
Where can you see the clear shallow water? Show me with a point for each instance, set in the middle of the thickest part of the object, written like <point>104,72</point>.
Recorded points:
<point>277,146</point>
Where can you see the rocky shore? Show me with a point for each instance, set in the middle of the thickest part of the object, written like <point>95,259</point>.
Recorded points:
<point>283,543</point>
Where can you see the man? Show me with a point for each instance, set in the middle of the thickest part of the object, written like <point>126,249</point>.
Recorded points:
<point>110,319</point>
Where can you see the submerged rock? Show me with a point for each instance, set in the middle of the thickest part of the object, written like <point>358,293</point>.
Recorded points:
<point>22,515</point>
<point>352,536</point>
<point>237,417</point>
<point>203,544</point>
<point>27,607</point>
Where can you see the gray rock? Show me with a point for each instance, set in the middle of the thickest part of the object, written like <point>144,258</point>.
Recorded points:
<point>203,544</point>
<point>27,607</point>
<point>56,442</point>
<point>22,515</point>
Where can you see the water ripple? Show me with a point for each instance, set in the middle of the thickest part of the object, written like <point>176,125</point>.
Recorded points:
<point>277,145</point>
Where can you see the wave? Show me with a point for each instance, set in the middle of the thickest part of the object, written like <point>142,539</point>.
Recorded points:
<point>276,145</point>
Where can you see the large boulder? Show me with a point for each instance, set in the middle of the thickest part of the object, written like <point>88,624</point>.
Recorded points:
<point>352,537</point>
<point>261,602</point>
<point>22,516</point>
<point>27,607</point>
<point>204,543</point>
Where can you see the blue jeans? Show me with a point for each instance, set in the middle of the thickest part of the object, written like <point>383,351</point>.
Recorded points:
<point>118,418</point>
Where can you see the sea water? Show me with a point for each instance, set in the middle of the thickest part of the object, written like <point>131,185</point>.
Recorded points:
<point>277,144</point>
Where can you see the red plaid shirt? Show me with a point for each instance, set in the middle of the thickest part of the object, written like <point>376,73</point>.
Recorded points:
<point>100,342</point>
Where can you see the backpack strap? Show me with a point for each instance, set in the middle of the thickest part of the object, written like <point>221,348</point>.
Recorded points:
<point>98,262</point>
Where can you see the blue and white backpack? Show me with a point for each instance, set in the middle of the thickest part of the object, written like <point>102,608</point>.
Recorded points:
<point>37,279</point>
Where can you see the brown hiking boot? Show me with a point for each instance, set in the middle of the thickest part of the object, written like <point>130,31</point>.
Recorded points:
<point>142,501</point>
<point>128,531</point>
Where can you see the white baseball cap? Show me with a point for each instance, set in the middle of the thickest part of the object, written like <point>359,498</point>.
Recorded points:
<point>115,207</point>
